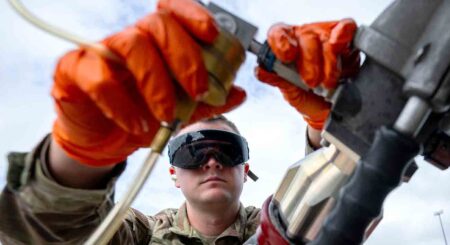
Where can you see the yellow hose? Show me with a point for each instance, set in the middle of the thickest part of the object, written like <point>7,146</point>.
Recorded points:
<point>81,42</point>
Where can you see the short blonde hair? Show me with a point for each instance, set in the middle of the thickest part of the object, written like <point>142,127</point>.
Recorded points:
<point>223,119</point>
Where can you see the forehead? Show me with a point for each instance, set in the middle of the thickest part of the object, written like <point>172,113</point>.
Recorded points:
<point>219,125</point>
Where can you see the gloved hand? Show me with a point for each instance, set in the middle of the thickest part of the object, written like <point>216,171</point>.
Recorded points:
<point>105,110</point>
<point>322,54</point>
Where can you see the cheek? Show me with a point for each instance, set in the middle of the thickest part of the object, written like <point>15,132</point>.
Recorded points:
<point>186,179</point>
<point>238,175</point>
<point>239,180</point>
<point>184,184</point>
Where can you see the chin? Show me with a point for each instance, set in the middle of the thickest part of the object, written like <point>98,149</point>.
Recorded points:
<point>216,196</point>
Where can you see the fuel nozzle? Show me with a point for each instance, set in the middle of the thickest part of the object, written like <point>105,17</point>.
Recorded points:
<point>307,194</point>
<point>309,190</point>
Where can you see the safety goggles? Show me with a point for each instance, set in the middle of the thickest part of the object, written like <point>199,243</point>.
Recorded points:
<point>194,149</point>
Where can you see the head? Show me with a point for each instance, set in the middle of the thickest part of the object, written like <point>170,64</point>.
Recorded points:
<point>212,182</point>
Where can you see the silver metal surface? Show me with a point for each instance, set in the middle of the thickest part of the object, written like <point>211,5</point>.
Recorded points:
<point>299,178</point>
<point>341,146</point>
<point>226,21</point>
<point>289,73</point>
<point>309,188</point>
<point>254,47</point>
<point>413,116</point>
<point>239,28</point>
<point>324,187</point>
<point>382,49</point>
<point>313,229</point>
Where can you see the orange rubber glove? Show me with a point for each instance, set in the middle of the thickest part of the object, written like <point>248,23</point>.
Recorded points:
<point>322,54</point>
<point>107,110</point>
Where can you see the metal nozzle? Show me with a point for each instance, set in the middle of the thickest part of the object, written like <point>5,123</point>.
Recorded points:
<point>308,191</point>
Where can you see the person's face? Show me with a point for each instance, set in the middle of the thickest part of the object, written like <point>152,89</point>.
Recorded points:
<point>213,182</point>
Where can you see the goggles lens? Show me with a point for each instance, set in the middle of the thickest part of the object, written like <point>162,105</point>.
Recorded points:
<point>192,150</point>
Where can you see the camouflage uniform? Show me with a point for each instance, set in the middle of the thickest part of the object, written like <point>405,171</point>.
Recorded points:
<point>34,209</point>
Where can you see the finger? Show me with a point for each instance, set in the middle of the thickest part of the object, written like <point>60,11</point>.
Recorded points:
<point>322,29</point>
<point>350,62</point>
<point>317,124</point>
<point>303,101</point>
<point>235,97</point>
<point>145,63</point>
<point>180,52</point>
<point>85,72</point>
<point>283,43</point>
<point>338,44</point>
<point>331,69</point>
<point>341,35</point>
<point>271,79</point>
<point>310,63</point>
<point>294,95</point>
<point>192,16</point>
<point>81,122</point>
<point>313,106</point>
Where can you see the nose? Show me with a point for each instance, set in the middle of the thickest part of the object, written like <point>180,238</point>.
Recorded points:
<point>212,163</point>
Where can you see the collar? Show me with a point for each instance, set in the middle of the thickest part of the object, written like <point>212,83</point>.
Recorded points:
<point>182,226</point>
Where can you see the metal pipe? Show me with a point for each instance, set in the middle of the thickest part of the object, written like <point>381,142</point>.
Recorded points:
<point>439,213</point>
<point>413,116</point>
<point>115,217</point>
<point>98,48</point>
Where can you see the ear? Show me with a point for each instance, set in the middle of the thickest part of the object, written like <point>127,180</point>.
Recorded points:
<point>246,169</point>
<point>173,176</point>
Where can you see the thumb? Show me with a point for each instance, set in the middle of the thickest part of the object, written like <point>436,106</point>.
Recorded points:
<point>313,107</point>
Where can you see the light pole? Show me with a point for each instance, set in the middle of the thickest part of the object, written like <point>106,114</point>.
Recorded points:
<point>439,213</point>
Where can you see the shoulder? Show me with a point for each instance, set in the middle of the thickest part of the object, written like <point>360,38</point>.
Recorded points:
<point>252,212</point>
<point>163,219</point>
<point>145,227</point>
<point>252,220</point>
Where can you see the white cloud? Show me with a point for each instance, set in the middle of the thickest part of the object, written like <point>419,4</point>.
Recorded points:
<point>274,130</point>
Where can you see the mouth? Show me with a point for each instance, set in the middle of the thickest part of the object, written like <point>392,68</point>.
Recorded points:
<point>213,179</point>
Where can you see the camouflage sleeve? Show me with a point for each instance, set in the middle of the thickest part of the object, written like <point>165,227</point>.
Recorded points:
<point>34,209</point>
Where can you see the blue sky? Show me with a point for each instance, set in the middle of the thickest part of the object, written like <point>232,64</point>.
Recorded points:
<point>275,131</point>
